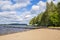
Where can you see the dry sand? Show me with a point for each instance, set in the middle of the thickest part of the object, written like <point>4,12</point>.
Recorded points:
<point>37,34</point>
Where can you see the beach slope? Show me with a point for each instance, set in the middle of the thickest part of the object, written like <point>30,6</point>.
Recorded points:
<point>37,34</point>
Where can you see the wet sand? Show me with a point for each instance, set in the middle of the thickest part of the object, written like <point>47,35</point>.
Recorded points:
<point>37,34</point>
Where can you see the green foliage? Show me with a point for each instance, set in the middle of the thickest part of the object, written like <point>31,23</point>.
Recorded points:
<point>51,17</point>
<point>58,9</point>
<point>32,22</point>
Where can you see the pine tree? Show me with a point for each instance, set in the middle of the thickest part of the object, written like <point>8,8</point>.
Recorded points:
<point>45,16</point>
<point>58,9</point>
<point>51,17</point>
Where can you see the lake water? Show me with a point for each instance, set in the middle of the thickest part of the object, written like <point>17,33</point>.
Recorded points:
<point>7,29</point>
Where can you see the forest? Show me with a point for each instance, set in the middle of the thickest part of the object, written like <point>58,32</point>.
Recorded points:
<point>51,16</point>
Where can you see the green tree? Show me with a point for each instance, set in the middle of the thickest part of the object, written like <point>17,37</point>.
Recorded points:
<point>51,16</point>
<point>58,9</point>
<point>33,21</point>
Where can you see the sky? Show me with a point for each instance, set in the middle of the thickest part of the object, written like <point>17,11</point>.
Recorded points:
<point>21,11</point>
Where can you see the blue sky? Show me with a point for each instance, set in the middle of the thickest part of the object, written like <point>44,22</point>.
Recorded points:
<point>21,11</point>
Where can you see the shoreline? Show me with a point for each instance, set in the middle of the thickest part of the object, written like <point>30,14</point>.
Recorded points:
<point>23,30</point>
<point>36,34</point>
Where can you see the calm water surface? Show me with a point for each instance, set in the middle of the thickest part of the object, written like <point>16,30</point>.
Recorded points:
<point>7,29</point>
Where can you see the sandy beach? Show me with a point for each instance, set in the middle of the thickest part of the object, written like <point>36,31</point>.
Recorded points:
<point>37,34</point>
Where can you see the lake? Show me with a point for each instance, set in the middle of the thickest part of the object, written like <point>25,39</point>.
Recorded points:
<point>8,29</point>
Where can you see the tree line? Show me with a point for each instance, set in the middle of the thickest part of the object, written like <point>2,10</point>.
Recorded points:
<point>51,16</point>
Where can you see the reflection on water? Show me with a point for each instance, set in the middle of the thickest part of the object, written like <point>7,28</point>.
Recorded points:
<point>7,29</point>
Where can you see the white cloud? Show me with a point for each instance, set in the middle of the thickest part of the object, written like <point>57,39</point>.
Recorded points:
<point>8,5</point>
<point>5,3</point>
<point>21,20</point>
<point>9,13</point>
<point>35,7</point>
<point>58,0</point>
<point>9,17</point>
<point>25,15</point>
<point>54,1</point>
<point>41,3</point>
<point>4,0</point>
<point>49,1</point>
<point>40,7</point>
<point>22,1</point>
<point>13,7</point>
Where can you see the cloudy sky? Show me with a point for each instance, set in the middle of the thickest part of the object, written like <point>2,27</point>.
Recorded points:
<point>21,11</point>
